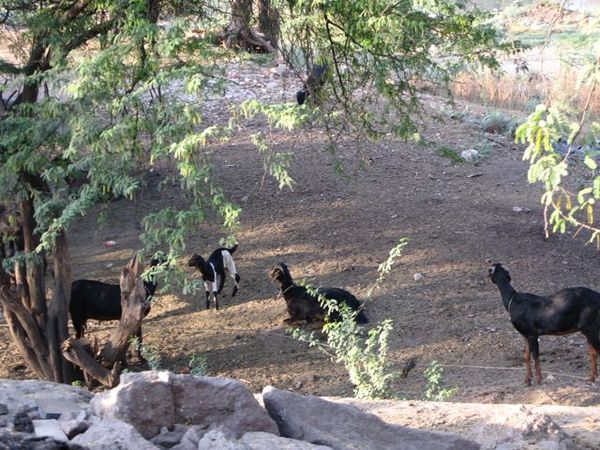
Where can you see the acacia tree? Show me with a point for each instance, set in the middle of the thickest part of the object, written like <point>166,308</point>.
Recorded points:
<point>563,148</point>
<point>70,137</point>
<point>92,96</point>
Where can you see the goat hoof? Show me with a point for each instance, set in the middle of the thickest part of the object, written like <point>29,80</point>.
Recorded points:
<point>528,382</point>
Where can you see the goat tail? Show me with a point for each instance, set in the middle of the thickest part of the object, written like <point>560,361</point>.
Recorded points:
<point>232,249</point>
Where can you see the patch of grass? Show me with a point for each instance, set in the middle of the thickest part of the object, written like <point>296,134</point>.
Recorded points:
<point>263,59</point>
<point>450,153</point>
<point>498,123</point>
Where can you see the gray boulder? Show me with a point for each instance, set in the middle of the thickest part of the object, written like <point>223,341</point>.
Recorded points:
<point>169,438</point>
<point>257,440</point>
<point>344,427</point>
<point>50,399</point>
<point>111,434</point>
<point>151,400</point>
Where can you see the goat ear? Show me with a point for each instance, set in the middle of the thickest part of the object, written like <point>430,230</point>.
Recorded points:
<point>491,270</point>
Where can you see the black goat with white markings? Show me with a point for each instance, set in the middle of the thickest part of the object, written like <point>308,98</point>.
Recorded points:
<point>566,311</point>
<point>91,299</point>
<point>304,305</point>
<point>214,272</point>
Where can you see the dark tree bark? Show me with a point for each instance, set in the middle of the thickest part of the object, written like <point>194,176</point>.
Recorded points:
<point>268,21</point>
<point>239,32</point>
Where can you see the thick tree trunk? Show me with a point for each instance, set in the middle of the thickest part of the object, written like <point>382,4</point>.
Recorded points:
<point>239,32</point>
<point>268,21</point>
<point>57,329</point>
<point>105,368</point>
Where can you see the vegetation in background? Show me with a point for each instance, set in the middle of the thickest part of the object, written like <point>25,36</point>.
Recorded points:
<point>435,389</point>
<point>364,357</point>
<point>451,154</point>
<point>97,92</point>
<point>198,365</point>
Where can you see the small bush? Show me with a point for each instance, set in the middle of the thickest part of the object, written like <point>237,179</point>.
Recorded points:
<point>198,365</point>
<point>365,358</point>
<point>435,390</point>
<point>498,123</point>
<point>447,152</point>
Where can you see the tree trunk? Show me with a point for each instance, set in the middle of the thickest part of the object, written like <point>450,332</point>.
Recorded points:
<point>268,21</point>
<point>57,329</point>
<point>239,32</point>
<point>106,366</point>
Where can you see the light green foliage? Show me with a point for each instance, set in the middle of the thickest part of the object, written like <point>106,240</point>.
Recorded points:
<point>569,206</point>
<point>386,267</point>
<point>110,113</point>
<point>379,54</point>
<point>435,390</point>
<point>198,365</point>
<point>78,383</point>
<point>365,358</point>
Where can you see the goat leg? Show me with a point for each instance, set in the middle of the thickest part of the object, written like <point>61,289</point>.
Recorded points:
<point>535,352</point>
<point>237,283</point>
<point>207,300</point>
<point>594,361</point>
<point>527,365</point>
<point>216,301</point>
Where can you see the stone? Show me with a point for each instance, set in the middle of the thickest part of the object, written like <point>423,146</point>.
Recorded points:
<point>150,400</point>
<point>49,428</point>
<point>16,441</point>
<point>190,439</point>
<point>257,440</point>
<point>470,155</point>
<point>54,407</point>
<point>23,423</point>
<point>167,438</point>
<point>342,427</point>
<point>3,409</point>
<point>216,439</point>
<point>18,395</point>
<point>111,434</point>
<point>73,424</point>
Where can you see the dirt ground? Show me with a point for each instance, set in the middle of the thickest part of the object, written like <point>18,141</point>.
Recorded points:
<point>335,231</point>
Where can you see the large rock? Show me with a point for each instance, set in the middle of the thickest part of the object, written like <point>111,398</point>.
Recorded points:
<point>111,434</point>
<point>151,400</point>
<point>257,440</point>
<point>49,399</point>
<point>343,427</point>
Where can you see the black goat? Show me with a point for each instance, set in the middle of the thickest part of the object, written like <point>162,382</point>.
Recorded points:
<point>567,311</point>
<point>91,299</point>
<point>303,305</point>
<point>316,79</point>
<point>213,272</point>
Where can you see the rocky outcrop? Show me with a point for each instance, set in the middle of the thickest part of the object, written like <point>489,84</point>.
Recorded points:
<point>152,400</point>
<point>345,427</point>
<point>160,410</point>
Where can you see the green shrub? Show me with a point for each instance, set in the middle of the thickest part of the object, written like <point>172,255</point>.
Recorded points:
<point>365,358</point>
<point>435,390</point>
